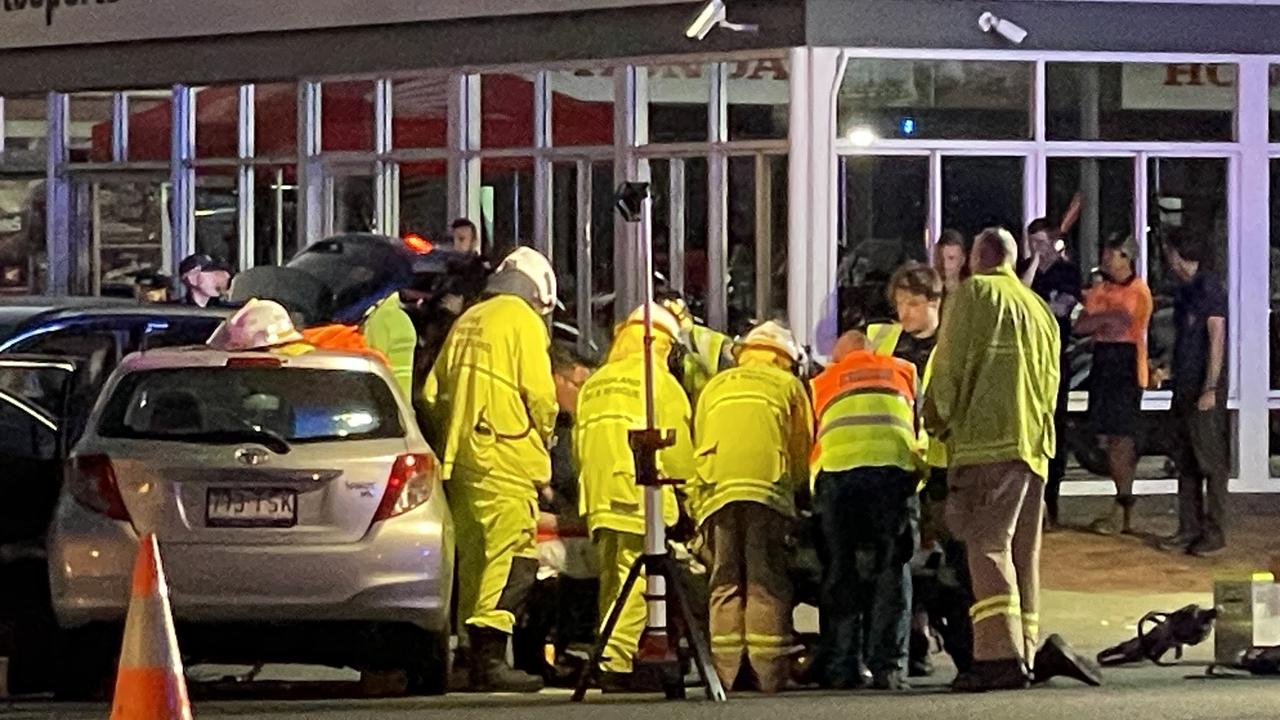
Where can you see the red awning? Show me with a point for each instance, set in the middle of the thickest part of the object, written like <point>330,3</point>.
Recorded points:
<point>420,121</point>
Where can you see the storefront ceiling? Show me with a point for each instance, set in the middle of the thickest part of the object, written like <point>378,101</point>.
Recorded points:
<point>1243,26</point>
<point>641,29</point>
<point>35,24</point>
<point>534,34</point>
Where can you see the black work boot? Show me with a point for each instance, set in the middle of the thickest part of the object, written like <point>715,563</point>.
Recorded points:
<point>489,669</point>
<point>890,680</point>
<point>1207,546</point>
<point>1178,542</point>
<point>991,675</point>
<point>460,673</point>
<point>1057,659</point>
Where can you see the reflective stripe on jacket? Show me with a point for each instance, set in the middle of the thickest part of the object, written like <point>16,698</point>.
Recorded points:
<point>610,405</point>
<point>865,405</point>
<point>753,431</point>
<point>884,339</point>
<point>491,397</point>
<point>994,385</point>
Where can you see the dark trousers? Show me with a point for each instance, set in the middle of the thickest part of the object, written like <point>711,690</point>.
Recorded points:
<point>1203,470</point>
<point>942,589</point>
<point>1057,463</point>
<point>561,610</point>
<point>868,518</point>
<point>947,596</point>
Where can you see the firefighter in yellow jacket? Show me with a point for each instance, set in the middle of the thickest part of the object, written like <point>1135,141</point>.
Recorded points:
<point>610,405</point>
<point>492,401</point>
<point>992,399</point>
<point>754,429</point>
<point>388,329</point>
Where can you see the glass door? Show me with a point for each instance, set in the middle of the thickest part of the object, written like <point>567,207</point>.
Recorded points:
<point>120,230</point>
<point>884,222</point>
<point>893,207</point>
<point>681,227</point>
<point>756,262</point>
<point>351,199</point>
<point>581,244</point>
<point>981,191</point>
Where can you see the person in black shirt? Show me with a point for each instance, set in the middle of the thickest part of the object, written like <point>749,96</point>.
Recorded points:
<point>1199,399</point>
<point>941,590</point>
<point>562,606</point>
<point>465,236</point>
<point>1057,281</point>
<point>204,280</point>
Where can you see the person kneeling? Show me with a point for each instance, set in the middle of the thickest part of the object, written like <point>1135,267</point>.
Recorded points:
<point>612,404</point>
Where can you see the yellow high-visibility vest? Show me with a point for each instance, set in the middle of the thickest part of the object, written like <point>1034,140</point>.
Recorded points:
<point>704,359</point>
<point>883,338</point>
<point>865,405</point>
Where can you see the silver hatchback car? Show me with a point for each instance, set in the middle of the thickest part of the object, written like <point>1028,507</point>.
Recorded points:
<point>297,505</point>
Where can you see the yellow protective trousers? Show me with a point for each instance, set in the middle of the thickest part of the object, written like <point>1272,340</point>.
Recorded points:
<point>616,552</point>
<point>497,553</point>
<point>751,595</point>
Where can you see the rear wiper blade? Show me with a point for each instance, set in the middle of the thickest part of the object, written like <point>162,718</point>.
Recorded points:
<point>270,439</point>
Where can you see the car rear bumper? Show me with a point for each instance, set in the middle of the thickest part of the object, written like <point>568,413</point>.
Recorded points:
<point>400,572</point>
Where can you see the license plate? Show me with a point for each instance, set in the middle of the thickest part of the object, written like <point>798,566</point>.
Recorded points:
<point>241,507</point>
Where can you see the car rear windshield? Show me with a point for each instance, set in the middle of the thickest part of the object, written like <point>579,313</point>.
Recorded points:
<point>219,403</point>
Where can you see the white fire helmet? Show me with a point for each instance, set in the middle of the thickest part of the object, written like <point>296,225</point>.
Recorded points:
<point>774,336</point>
<point>535,266</point>
<point>663,320</point>
<point>260,324</point>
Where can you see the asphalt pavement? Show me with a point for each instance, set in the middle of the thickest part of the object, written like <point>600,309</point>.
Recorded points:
<point>1147,693</point>
<point>1096,589</point>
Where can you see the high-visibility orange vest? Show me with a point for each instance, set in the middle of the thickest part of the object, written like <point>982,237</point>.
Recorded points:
<point>346,338</point>
<point>865,406</point>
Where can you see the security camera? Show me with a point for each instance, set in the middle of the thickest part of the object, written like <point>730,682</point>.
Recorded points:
<point>1006,29</point>
<point>713,15</point>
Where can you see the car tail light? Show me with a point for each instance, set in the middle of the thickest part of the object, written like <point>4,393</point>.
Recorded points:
<point>95,487</point>
<point>408,487</point>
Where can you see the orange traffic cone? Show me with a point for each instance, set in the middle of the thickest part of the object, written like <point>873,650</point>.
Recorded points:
<point>150,684</point>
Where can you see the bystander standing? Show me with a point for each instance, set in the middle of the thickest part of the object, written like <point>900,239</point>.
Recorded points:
<point>1199,394</point>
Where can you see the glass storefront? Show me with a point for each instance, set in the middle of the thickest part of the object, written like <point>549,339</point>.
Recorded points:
<point>1124,147</point>
<point>1139,101</point>
<point>936,99</point>
<point>1112,146</point>
<point>23,154</point>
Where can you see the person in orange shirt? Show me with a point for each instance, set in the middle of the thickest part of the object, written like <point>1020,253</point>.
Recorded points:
<point>1116,314</point>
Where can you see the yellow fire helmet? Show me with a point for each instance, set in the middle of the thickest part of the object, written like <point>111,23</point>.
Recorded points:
<point>664,321</point>
<point>259,325</point>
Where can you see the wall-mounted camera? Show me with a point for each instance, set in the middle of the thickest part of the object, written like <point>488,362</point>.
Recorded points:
<point>713,15</point>
<point>1006,29</point>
